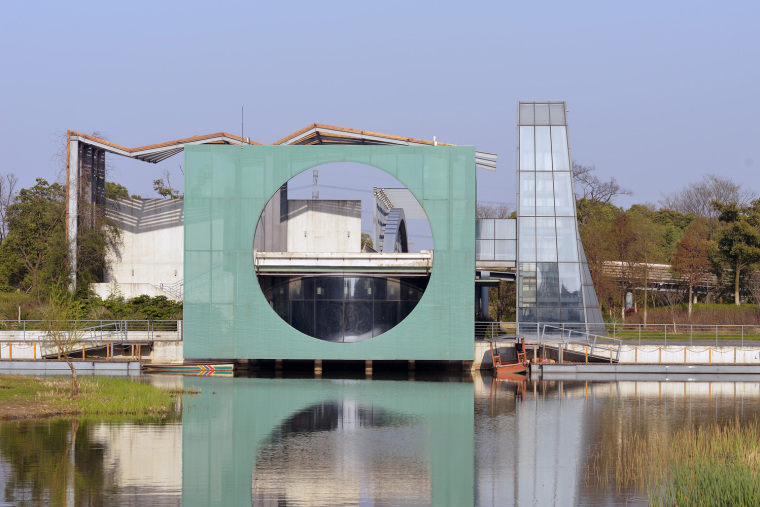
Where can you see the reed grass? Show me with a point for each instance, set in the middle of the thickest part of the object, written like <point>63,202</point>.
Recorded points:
<point>98,396</point>
<point>712,465</point>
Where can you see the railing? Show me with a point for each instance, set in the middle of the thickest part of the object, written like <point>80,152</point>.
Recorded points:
<point>557,335</point>
<point>93,330</point>
<point>641,334</point>
<point>681,334</point>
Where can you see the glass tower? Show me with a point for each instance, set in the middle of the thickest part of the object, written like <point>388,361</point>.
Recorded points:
<point>553,281</point>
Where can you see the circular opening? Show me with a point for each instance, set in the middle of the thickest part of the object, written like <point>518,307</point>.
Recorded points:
<point>343,253</point>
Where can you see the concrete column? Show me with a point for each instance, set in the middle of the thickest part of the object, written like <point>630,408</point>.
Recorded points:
<point>484,275</point>
<point>368,368</point>
<point>73,198</point>
<point>318,368</point>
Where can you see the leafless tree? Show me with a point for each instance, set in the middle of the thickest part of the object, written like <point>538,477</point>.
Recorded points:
<point>8,184</point>
<point>697,198</point>
<point>492,211</point>
<point>589,186</point>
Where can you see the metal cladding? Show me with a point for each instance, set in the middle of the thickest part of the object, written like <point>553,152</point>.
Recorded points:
<point>228,316</point>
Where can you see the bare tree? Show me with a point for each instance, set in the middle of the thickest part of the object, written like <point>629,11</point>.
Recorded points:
<point>697,198</point>
<point>8,184</point>
<point>691,261</point>
<point>492,211</point>
<point>591,193</point>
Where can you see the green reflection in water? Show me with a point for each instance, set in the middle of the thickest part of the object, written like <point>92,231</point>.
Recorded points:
<point>54,462</point>
<point>235,428</point>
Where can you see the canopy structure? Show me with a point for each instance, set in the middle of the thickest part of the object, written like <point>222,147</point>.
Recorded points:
<point>317,133</point>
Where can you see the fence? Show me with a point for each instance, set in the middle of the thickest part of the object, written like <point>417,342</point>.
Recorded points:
<point>93,330</point>
<point>647,334</point>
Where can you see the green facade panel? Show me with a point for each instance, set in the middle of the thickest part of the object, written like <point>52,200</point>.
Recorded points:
<point>226,315</point>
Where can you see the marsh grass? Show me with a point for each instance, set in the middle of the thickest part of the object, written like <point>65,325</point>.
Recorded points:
<point>713,465</point>
<point>98,396</point>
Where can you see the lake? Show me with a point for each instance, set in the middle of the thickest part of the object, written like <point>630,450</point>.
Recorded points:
<point>450,440</point>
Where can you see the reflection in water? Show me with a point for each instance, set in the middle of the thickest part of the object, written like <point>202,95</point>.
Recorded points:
<point>541,450</point>
<point>326,442</point>
<point>364,453</point>
<point>72,462</point>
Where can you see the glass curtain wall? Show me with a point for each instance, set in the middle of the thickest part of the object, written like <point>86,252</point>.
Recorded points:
<point>551,288</point>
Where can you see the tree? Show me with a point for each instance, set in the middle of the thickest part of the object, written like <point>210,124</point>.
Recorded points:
<point>366,240</point>
<point>8,184</point>
<point>592,195</point>
<point>492,211</point>
<point>34,252</point>
<point>163,187</point>
<point>650,245</point>
<point>738,239</point>
<point>116,191</point>
<point>691,260</point>
<point>63,331</point>
<point>623,242</point>
<point>697,198</point>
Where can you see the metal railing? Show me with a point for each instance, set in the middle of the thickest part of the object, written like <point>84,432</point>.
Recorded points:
<point>681,334</point>
<point>93,330</point>
<point>560,336</point>
<point>640,334</point>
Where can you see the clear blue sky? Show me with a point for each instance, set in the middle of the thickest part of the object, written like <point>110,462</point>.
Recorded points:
<point>659,93</point>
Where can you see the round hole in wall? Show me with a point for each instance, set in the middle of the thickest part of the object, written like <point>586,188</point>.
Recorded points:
<point>345,254</point>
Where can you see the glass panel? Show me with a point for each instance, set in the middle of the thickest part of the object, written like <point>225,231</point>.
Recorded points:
<point>546,240</point>
<point>544,194</point>
<point>563,195</point>
<point>302,316</point>
<point>484,228</point>
<point>527,194</point>
<point>527,284</point>
<point>357,321</point>
<point>550,316</point>
<point>358,288</point>
<point>329,325</point>
<point>385,316</point>
<point>392,289</point>
<point>547,284</point>
<point>484,249</point>
<point>542,114</point>
<point>527,315</point>
<point>505,250</point>
<point>527,149</point>
<point>570,284</point>
<point>560,155</point>
<point>526,114</point>
<point>567,247</point>
<point>329,287</point>
<point>527,237</point>
<point>572,315</point>
<point>589,296</point>
<point>557,114</point>
<point>543,149</point>
<point>505,228</point>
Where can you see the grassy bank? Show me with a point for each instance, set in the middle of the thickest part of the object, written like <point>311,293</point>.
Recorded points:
<point>24,397</point>
<point>713,465</point>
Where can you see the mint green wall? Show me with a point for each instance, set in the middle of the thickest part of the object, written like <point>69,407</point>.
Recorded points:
<point>227,316</point>
<point>225,427</point>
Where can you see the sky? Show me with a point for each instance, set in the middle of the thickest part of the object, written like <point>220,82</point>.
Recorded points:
<point>658,93</point>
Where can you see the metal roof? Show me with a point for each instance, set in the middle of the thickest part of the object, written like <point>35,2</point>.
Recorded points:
<point>313,134</point>
<point>327,134</point>
<point>401,198</point>
<point>155,153</point>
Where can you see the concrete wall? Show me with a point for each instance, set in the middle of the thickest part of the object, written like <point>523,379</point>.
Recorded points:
<point>324,226</point>
<point>152,245</point>
<point>679,354</point>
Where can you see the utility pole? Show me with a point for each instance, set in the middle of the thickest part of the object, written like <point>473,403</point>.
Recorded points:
<point>315,184</point>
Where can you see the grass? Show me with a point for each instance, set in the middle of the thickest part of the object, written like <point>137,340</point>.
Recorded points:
<point>30,397</point>
<point>712,465</point>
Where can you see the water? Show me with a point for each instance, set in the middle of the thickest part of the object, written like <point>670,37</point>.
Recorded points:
<point>362,442</point>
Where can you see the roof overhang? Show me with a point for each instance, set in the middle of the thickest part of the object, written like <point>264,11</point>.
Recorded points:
<point>328,134</point>
<point>155,153</point>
